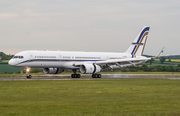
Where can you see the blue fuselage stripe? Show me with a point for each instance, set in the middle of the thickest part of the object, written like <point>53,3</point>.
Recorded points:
<point>57,60</point>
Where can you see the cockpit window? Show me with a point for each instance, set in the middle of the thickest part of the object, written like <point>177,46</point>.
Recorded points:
<point>15,57</point>
<point>20,57</point>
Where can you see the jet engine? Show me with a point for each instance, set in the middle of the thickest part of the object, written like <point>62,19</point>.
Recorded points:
<point>53,70</point>
<point>90,69</point>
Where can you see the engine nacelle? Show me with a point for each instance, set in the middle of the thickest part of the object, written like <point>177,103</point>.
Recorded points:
<point>53,70</point>
<point>90,69</point>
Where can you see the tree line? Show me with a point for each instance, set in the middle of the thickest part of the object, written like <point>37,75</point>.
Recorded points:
<point>149,68</point>
<point>3,56</point>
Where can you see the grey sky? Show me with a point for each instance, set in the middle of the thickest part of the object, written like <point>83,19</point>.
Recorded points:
<point>88,25</point>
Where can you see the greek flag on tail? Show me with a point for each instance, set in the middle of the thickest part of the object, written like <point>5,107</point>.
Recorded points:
<point>138,45</point>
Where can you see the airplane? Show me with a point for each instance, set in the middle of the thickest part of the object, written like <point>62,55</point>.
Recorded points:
<point>55,62</point>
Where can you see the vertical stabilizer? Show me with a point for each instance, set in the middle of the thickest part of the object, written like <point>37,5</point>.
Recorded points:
<point>138,45</point>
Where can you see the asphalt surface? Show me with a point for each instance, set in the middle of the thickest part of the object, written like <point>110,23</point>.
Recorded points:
<point>88,78</point>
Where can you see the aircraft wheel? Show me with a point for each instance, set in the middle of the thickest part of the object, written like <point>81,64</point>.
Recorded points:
<point>78,76</point>
<point>93,75</point>
<point>96,75</point>
<point>29,77</point>
<point>72,75</point>
<point>99,75</point>
<point>75,75</point>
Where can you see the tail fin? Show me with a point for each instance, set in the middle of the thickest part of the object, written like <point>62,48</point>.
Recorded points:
<point>138,45</point>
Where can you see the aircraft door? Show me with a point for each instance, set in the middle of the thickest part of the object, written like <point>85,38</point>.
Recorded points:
<point>30,57</point>
<point>60,58</point>
<point>61,63</point>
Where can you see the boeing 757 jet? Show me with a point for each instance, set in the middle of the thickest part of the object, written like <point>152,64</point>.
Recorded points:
<point>55,62</point>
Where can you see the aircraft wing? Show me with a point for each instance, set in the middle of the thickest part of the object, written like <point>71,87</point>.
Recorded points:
<point>118,62</point>
<point>114,61</point>
<point>121,62</point>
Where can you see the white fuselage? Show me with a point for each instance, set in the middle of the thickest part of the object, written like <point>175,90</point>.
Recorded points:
<point>62,59</point>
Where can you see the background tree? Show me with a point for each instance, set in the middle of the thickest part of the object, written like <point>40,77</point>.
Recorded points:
<point>5,57</point>
<point>162,59</point>
<point>151,61</point>
<point>144,67</point>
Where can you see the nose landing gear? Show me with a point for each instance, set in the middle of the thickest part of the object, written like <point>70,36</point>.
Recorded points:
<point>28,73</point>
<point>28,76</point>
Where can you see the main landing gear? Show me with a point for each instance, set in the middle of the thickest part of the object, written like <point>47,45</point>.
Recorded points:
<point>28,73</point>
<point>96,75</point>
<point>79,76</point>
<point>75,75</point>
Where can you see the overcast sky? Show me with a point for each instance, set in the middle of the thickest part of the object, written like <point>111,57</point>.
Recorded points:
<point>88,25</point>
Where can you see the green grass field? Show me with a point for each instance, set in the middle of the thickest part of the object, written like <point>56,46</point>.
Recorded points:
<point>119,97</point>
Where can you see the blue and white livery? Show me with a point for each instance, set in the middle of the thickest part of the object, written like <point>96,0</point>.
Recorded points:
<point>54,62</point>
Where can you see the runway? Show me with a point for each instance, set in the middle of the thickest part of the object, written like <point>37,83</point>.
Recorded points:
<point>89,78</point>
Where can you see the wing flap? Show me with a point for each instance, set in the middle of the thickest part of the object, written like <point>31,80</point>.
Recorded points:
<point>117,62</point>
<point>127,60</point>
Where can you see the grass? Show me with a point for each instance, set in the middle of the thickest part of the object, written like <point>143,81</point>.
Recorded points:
<point>5,61</point>
<point>137,97</point>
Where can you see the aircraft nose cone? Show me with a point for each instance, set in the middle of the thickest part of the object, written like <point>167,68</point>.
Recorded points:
<point>11,62</point>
